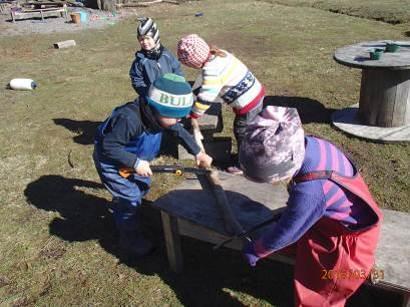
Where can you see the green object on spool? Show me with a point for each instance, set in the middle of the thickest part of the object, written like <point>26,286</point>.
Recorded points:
<point>376,54</point>
<point>391,47</point>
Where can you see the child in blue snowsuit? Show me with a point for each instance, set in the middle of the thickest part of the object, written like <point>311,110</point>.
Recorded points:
<point>130,138</point>
<point>153,60</point>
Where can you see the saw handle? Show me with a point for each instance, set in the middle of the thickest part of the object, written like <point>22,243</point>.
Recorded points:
<point>125,172</point>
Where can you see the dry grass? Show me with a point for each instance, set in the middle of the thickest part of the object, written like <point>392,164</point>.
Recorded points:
<point>57,240</point>
<point>390,11</point>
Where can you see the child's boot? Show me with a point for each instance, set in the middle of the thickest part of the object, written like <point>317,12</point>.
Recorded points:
<point>127,218</point>
<point>135,244</point>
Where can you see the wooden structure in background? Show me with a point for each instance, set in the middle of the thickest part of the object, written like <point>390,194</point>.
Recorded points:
<point>42,12</point>
<point>384,92</point>
<point>144,3</point>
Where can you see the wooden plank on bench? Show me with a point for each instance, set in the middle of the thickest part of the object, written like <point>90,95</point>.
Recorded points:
<point>251,202</point>
<point>393,252</point>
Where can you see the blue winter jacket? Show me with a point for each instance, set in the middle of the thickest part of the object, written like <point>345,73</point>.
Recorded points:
<point>144,71</point>
<point>123,138</point>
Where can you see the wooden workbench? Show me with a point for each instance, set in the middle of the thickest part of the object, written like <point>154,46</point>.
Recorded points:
<point>191,211</point>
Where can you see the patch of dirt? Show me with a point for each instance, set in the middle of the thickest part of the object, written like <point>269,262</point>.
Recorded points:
<point>24,301</point>
<point>96,20</point>
<point>52,253</point>
<point>4,281</point>
<point>52,250</point>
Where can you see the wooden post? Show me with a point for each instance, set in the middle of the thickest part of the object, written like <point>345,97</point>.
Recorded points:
<point>385,97</point>
<point>406,300</point>
<point>108,5</point>
<point>172,241</point>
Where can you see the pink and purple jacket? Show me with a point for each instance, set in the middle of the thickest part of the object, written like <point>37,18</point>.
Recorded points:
<point>311,200</point>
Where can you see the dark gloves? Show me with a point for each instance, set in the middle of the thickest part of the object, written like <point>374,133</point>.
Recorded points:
<point>249,254</point>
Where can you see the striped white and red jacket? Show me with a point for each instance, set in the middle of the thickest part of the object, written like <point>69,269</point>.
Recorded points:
<point>226,79</point>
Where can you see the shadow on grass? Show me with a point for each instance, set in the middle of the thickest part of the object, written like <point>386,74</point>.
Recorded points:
<point>210,278</point>
<point>84,128</point>
<point>310,110</point>
<point>83,216</point>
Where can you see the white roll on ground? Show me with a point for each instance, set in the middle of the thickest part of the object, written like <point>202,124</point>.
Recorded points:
<point>22,84</point>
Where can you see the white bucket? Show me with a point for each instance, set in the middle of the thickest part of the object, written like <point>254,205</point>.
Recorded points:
<point>22,84</point>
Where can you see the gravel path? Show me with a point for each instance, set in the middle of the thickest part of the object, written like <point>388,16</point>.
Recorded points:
<point>97,19</point>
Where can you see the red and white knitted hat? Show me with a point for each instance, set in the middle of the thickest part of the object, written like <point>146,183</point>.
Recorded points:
<point>193,51</point>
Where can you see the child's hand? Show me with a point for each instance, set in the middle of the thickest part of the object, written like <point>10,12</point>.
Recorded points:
<point>249,255</point>
<point>203,160</point>
<point>143,168</point>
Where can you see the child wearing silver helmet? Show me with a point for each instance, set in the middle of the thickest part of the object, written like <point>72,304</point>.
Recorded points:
<point>153,60</point>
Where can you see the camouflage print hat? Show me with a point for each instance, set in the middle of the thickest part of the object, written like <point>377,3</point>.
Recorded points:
<point>273,148</point>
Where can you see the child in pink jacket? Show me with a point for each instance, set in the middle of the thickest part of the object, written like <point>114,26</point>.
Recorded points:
<point>331,222</point>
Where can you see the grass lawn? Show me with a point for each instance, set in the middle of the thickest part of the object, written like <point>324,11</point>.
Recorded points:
<point>390,11</point>
<point>57,239</point>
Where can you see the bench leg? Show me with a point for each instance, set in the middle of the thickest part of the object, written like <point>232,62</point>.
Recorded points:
<point>42,17</point>
<point>406,300</point>
<point>172,241</point>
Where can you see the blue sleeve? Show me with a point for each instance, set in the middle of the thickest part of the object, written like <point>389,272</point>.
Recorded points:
<point>186,138</point>
<point>175,64</point>
<point>120,130</point>
<point>306,205</point>
<point>137,78</point>
<point>176,67</point>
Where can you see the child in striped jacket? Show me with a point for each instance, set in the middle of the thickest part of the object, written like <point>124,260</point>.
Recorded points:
<point>331,222</point>
<point>223,78</point>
